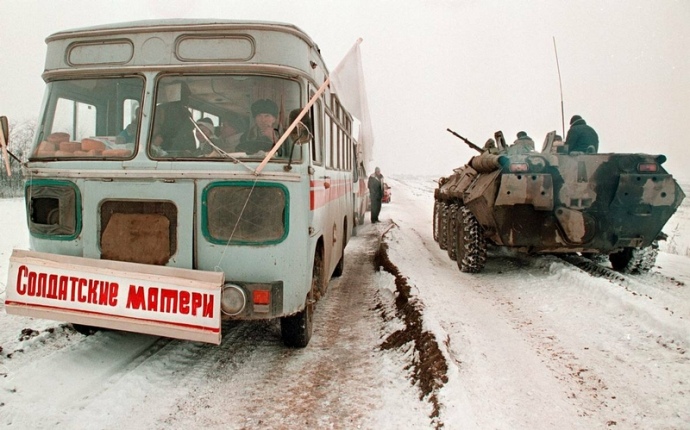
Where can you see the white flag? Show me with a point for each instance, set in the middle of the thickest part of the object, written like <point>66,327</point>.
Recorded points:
<point>347,81</point>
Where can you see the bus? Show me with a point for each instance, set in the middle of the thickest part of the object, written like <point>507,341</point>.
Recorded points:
<point>185,172</point>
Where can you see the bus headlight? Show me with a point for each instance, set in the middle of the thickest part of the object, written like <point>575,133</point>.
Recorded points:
<point>233,300</point>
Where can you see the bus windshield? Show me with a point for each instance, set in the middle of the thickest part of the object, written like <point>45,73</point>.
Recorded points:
<point>200,117</point>
<point>90,118</point>
<point>211,117</point>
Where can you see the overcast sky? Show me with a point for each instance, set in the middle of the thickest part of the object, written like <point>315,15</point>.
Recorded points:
<point>473,66</point>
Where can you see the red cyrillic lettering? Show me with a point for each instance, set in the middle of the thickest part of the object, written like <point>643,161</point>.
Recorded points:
<point>153,299</point>
<point>196,302</point>
<point>208,306</point>
<point>41,285</point>
<point>22,273</point>
<point>62,288</point>
<point>135,298</point>
<point>184,302</point>
<point>52,286</point>
<point>169,300</point>
<point>92,291</point>
<point>112,299</point>
<point>32,284</point>
<point>103,290</point>
<point>73,290</point>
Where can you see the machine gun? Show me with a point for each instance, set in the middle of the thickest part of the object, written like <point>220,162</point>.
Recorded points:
<point>470,144</point>
<point>486,161</point>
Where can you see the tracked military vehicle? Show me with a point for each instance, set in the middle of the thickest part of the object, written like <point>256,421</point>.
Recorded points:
<point>599,205</point>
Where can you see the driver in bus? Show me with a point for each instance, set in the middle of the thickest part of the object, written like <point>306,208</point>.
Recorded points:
<point>264,133</point>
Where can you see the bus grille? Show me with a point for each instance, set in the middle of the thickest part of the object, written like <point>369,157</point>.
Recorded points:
<point>138,231</point>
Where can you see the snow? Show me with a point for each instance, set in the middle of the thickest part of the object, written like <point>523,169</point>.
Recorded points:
<point>529,343</point>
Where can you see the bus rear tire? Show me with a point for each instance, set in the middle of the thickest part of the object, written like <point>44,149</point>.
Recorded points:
<point>340,267</point>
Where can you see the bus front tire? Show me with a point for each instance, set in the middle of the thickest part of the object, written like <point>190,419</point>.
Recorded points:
<point>296,330</point>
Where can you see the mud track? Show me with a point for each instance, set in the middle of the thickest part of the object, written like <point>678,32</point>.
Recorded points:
<point>428,366</point>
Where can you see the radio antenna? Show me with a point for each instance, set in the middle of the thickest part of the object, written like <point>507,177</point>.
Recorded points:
<point>560,84</point>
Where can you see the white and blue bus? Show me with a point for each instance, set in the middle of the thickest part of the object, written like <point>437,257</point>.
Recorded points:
<point>153,202</point>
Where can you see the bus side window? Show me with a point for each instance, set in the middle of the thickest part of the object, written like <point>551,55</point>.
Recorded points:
<point>317,141</point>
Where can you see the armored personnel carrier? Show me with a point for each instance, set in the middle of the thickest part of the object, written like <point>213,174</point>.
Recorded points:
<point>599,205</point>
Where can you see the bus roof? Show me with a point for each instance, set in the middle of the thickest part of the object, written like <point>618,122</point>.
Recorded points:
<point>182,42</point>
<point>154,25</point>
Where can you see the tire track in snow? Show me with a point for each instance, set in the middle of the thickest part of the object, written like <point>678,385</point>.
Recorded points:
<point>339,380</point>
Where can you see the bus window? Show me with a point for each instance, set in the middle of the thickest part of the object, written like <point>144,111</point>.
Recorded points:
<point>329,138</point>
<point>256,107</point>
<point>317,141</point>
<point>78,119</point>
<point>82,119</point>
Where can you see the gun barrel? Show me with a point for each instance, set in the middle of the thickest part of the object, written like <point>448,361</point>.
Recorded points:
<point>470,144</point>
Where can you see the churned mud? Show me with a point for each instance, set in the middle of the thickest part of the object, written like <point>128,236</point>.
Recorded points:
<point>428,367</point>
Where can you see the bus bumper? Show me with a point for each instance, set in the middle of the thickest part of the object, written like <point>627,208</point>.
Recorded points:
<point>157,300</point>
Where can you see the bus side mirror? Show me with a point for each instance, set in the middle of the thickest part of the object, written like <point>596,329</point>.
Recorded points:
<point>5,129</point>
<point>301,134</point>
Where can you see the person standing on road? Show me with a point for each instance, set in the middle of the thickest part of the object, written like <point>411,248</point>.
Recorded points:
<point>375,185</point>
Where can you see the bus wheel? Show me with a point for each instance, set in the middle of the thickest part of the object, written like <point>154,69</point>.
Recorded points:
<point>296,330</point>
<point>338,271</point>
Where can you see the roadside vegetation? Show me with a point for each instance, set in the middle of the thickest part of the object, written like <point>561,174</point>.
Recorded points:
<point>21,138</point>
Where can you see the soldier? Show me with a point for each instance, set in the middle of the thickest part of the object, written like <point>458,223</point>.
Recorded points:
<point>522,145</point>
<point>581,137</point>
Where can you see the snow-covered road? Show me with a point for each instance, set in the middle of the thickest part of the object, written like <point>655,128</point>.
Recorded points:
<point>529,343</point>
<point>538,343</point>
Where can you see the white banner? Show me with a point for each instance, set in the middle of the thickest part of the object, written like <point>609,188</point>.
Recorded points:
<point>347,81</point>
<point>116,295</point>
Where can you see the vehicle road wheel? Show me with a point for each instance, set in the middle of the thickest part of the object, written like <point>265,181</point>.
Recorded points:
<point>437,210</point>
<point>648,259</point>
<point>452,232</point>
<point>632,260</point>
<point>442,226</point>
<point>470,243</point>
<point>296,330</point>
<point>621,260</point>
